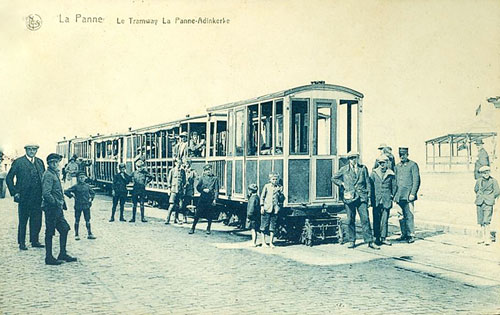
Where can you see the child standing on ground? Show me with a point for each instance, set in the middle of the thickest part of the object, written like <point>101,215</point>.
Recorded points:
<point>487,191</point>
<point>271,201</point>
<point>84,195</point>
<point>253,212</point>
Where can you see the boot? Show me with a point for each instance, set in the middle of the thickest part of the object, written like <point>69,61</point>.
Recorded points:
<point>134,210</point>
<point>121,215</point>
<point>63,238</point>
<point>90,235</point>
<point>49,259</point>
<point>142,215</point>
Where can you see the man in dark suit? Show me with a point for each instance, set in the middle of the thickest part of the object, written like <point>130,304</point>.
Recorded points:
<point>27,192</point>
<point>408,181</point>
<point>355,181</point>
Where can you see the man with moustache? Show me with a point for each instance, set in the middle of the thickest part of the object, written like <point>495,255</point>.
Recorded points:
<point>27,192</point>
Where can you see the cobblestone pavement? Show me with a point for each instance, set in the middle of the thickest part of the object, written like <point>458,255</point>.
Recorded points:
<point>150,268</point>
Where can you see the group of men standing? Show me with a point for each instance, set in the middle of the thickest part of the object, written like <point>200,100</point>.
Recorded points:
<point>388,182</point>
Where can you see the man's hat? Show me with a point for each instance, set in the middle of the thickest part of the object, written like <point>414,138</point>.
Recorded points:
<point>53,157</point>
<point>484,168</point>
<point>351,154</point>
<point>479,141</point>
<point>382,145</point>
<point>194,133</point>
<point>403,150</point>
<point>183,134</point>
<point>207,167</point>
<point>74,157</point>
<point>31,145</point>
<point>122,165</point>
<point>253,187</point>
<point>382,158</point>
<point>80,174</point>
<point>139,163</point>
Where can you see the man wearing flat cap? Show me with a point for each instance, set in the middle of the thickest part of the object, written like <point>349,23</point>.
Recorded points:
<point>408,181</point>
<point>27,192</point>
<point>53,204</point>
<point>482,159</point>
<point>353,178</point>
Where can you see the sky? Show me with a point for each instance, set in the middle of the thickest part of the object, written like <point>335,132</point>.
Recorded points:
<point>423,66</point>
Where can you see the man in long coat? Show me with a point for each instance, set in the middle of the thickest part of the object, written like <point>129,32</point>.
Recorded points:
<point>408,181</point>
<point>27,192</point>
<point>355,181</point>
<point>383,190</point>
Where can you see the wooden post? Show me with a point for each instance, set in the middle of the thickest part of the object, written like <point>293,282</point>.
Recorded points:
<point>468,152</point>
<point>451,151</point>
<point>433,156</point>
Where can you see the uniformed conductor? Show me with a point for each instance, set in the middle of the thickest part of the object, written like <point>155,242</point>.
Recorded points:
<point>27,192</point>
<point>53,204</point>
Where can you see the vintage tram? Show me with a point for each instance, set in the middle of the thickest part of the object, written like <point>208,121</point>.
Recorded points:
<point>302,133</point>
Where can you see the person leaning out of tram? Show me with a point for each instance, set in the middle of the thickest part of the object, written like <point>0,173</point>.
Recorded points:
<point>355,181</point>
<point>383,183</point>
<point>271,202</point>
<point>208,187</point>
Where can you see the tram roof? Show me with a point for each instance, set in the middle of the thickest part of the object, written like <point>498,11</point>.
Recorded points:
<point>310,87</point>
<point>168,124</point>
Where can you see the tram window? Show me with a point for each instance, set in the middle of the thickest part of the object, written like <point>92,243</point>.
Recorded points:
<point>230,118</point>
<point>239,132</point>
<point>98,150</point>
<point>279,128</point>
<point>115,147</point>
<point>299,142</point>
<point>197,140</point>
<point>323,129</point>
<point>253,129</point>
<point>220,140</point>
<point>163,136</point>
<point>348,124</point>
<point>266,128</point>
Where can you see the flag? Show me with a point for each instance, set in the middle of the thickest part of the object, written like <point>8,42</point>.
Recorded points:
<point>478,109</point>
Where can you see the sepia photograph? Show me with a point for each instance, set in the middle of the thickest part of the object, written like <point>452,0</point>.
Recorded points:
<point>250,157</point>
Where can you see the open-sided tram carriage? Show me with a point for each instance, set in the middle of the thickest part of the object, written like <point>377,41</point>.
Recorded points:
<point>303,133</point>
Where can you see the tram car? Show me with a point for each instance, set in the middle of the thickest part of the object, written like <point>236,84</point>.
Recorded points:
<point>304,134</point>
<point>155,145</point>
<point>107,152</point>
<point>79,147</point>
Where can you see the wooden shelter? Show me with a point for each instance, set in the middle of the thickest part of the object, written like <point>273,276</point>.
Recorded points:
<point>455,149</point>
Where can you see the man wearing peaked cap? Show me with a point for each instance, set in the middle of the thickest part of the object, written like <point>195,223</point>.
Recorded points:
<point>354,179</point>
<point>408,182</point>
<point>180,150</point>
<point>27,172</point>
<point>53,204</point>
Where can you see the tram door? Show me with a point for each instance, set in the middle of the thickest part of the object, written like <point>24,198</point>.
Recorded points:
<point>324,148</point>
